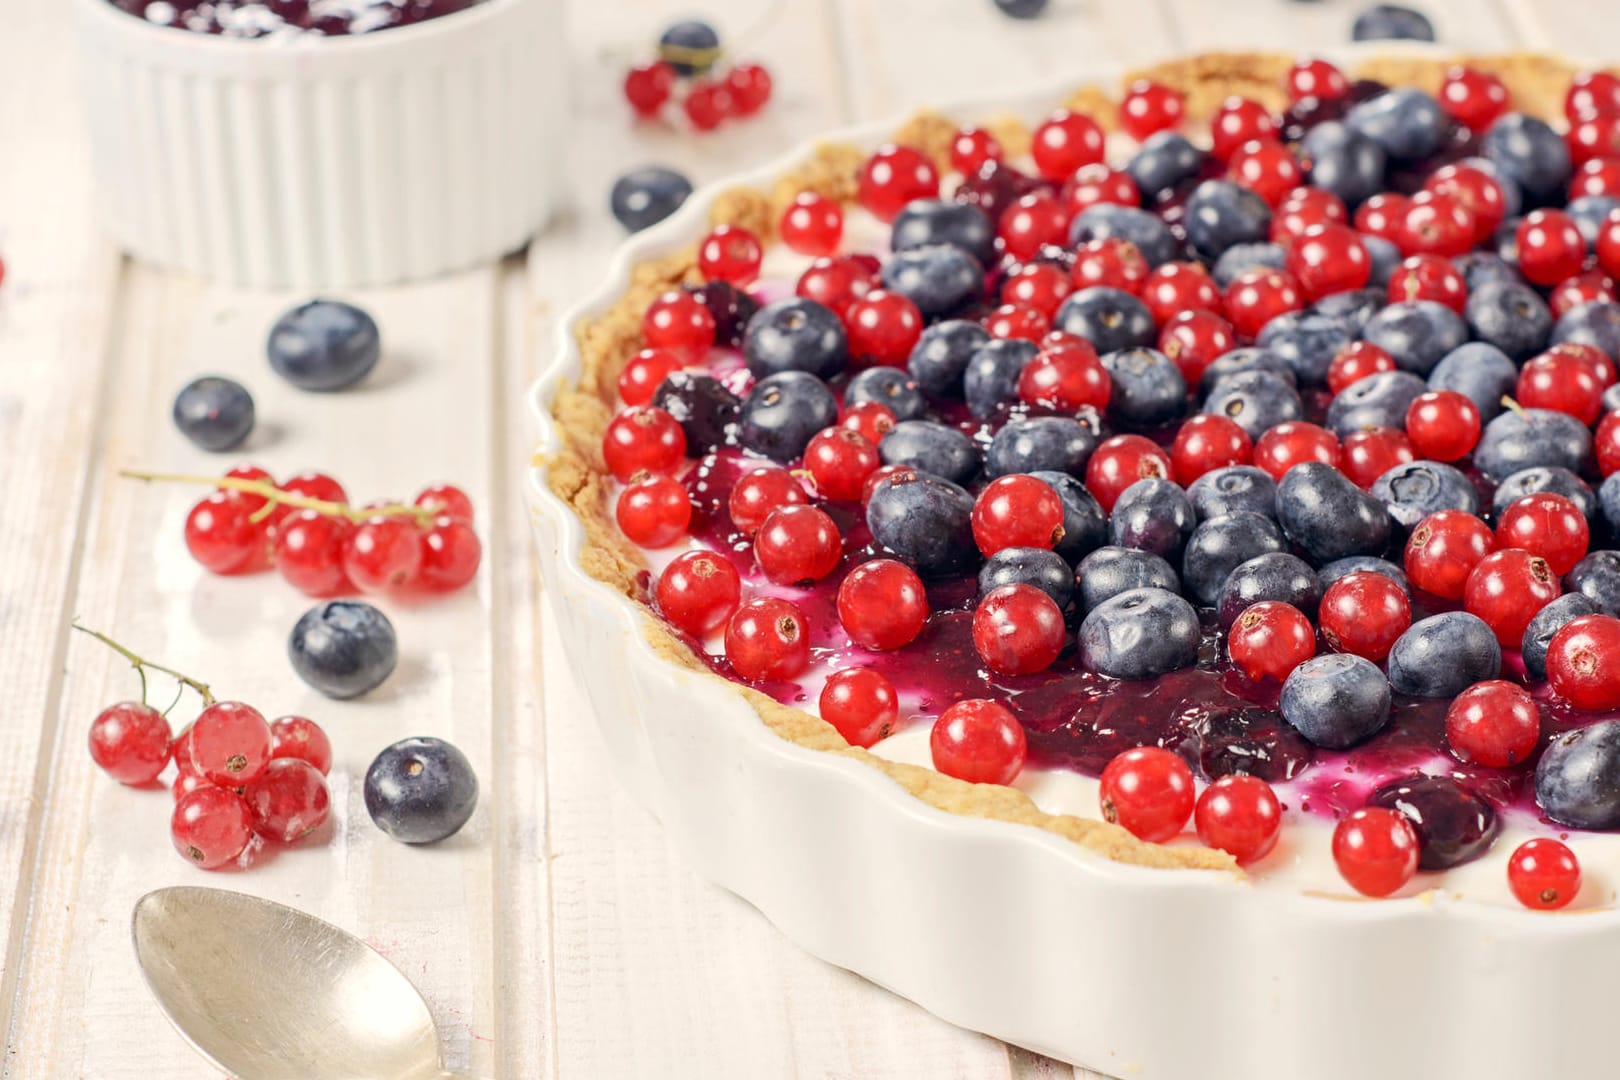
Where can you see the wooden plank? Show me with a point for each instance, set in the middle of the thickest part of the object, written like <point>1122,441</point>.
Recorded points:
<point>1297,26</point>
<point>1577,28</point>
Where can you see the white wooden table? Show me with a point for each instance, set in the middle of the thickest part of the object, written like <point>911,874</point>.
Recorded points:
<point>558,935</point>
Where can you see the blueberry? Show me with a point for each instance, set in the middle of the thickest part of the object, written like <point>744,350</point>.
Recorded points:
<point>1244,739</point>
<point>1415,489</point>
<point>1148,388</point>
<point>1406,123</point>
<point>1110,571</point>
<point>1256,401</point>
<point>1239,257</point>
<point>1328,516</point>
<point>1443,655</point>
<point>1454,826</point>
<point>1306,343</point>
<point>795,334</point>
<point>1153,515</point>
<point>926,521</point>
<point>343,648</point>
<point>214,412</point>
<point>323,345</point>
<point>893,388</point>
<point>421,790</point>
<point>1164,159</point>
<point>1344,161</point>
<point>991,378</point>
<point>1417,333</point>
<point>1219,545</point>
<point>927,222</point>
<point>1597,577</point>
<point>1245,358</point>
<point>1224,218</point>
<point>1391,22</point>
<point>1578,778</point>
<point>1355,307</point>
<point>782,412</point>
<point>690,46</point>
<point>1022,9</point>
<point>1608,497</point>
<point>1479,372</point>
<point>643,197</point>
<point>1596,323</point>
<point>1379,400</point>
<point>931,447</point>
<point>1085,526</point>
<point>731,307</point>
<point>1140,634</point>
<point>1546,478</point>
<point>1386,259</point>
<point>1611,399</point>
<point>1530,153</point>
<point>1148,232</point>
<point>1041,443</point>
<point>1111,319</point>
<point>1590,212</point>
<point>1505,241</point>
<point>941,355</point>
<point>1513,317</point>
<point>1234,489</point>
<point>1275,575</point>
<point>1336,700</point>
<point>1522,438</point>
<point>1547,622</point>
<point>1043,569</point>
<point>1359,564</point>
<point>939,279</point>
<point>1480,268</point>
<point>701,404</point>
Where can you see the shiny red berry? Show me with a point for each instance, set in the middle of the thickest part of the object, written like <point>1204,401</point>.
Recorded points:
<point>1240,815</point>
<point>288,801</point>
<point>648,86</point>
<point>445,500</point>
<point>653,511</point>
<point>1207,442</point>
<point>872,419</point>
<point>642,438</point>
<point>1267,168</point>
<point>1196,339</point>
<point>383,553</point>
<point>707,104</point>
<point>1067,377</point>
<point>812,224</point>
<point>1032,222</point>
<point>1550,247</point>
<point>893,176</point>
<point>1383,216</point>
<point>1257,296</point>
<point>130,742</point>
<point>1428,277</point>
<point>1592,93</point>
<point>1548,525</point>
<point>1584,288</point>
<point>1112,262</point>
<point>1017,511</point>
<point>1473,98</point>
<point>1040,286</point>
<point>1494,723</point>
<point>840,460</point>
<point>1444,549</point>
<point>882,605</point>
<point>1295,442</point>
<point>836,283</point>
<point>451,553</point>
<point>1506,589</point>
<point>309,552</point>
<point>1443,425</point>
<point>760,492</point>
<point>882,327</point>
<point>1239,120</point>
<point>1018,630</point>
<point>1148,791</point>
<point>1175,287</point>
<point>1316,79</point>
<point>1121,461</point>
<point>971,148</point>
<point>1270,638</point>
<point>1066,142</point>
<point>1303,208</point>
<point>1328,259</point>
<point>798,544</point>
<point>220,535</point>
<point>644,372</point>
<point>1367,454</point>
<point>1600,176</point>
<point>1363,614</point>
<point>750,88</point>
<point>211,827</point>
<point>1436,224</point>
<point>1606,442</point>
<point>767,639</point>
<point>978,741</point>
<point>1593,139</point>
<point>730,253</point>
<point>1583,662</point>
<point>698,591</point>
<point>1477,190</point>
<point>1544,874</point>
<point>1093,184</point>
<point>229,744</point>
<point>861,704</point>
<point>301,738</point>
<point>1376,850</point>
<point>1013,322</point>
<point>678,321</point>
<point>1562,383</point>
<point>1148,107</point>
<point>1356,361</point>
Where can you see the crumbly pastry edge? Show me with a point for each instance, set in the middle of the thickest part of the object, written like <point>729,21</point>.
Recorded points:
<point>578,476</point>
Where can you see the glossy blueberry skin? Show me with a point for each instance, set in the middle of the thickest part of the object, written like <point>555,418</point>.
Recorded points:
<point>939,279</point>
<point>1022,9</point>
<point>1147,231</point>
<point>991,378</point>
<point>1597,577</point>
<point>1153,515</point>
<point>1415,489</point>
<point>701,404</point>
<point>1547,622</point>
<point>795,334</point>
<point>1530,153</point>
<point>1443,655</point>
<point>1608,498</point>
<point>1140,634</point>
<point>1336,700</point>
<point>1453,824</point>
<point>1407,123</point>
<point>1386,259</point>
<point>1545,478</point>
<point>893,388</point>
<point>421,790</point>
<point>932,447</point>
<point>214,412</point>
<point>1513,317</point>
<point>1043,569</point>
<point>1596,323</point>
<point>1245,358</point>
<point>1479,372</point>
<point>1526,438</point>
<point>782,412</point>
<point>1505,241</point>
<point>1344,161</point>
<point>1239,257</point>
<point>1085,526</point>
<point>1590,212</point>
<point>1219,546</point>
<point>1480,268</point>
<point>1041,443</point>
<point>1148,388</point>
<point>1328,516</point>
<point>1275,575</point>
<point>1111,571</point>
<point>343,648</point>
<point>1164,159</point>
<point>942,354</point>
<point>1379,400</point>
<point>324,345</point>
<point>643,197</point>
<point>1359,564</point>
<point>926,521</point>
<point>1307,344</point>
<point>1357,306</point>
<point>685,36</point>
<point>1578,777</point>
<point>1611,399</point>
<point>1234,489</point>
<point>1111,319</point>
<point>927,222</point>
<point>1391,22</point>
<point>1255,401</point>
<point>1417,333</point>
<point>1222,217</point>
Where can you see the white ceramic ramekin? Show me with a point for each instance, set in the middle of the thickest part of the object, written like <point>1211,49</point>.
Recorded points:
<point>1013,931</point>
<point>326,162</point>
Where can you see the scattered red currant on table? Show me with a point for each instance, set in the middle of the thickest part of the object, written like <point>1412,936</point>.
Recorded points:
<point>685,73</point>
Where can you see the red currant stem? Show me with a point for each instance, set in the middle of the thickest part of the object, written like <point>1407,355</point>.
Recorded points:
<point>1509,403</point>
<point>705,58</point>
<point>274,497</point>
<point>140,664</point>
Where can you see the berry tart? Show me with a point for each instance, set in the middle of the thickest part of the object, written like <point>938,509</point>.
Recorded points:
<point>1138,560</point>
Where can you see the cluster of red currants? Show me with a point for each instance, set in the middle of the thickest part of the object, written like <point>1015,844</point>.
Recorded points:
<point>708,102</point>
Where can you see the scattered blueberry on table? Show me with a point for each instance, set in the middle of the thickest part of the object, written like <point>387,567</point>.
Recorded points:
<point>643,197</point>
<point>1022,9</point>
<point>421,790</point>
<point>214,412</point>
<point>1391,22</point>
<point>343,648</point>
<point>324,345</point>
<point>685,70</point>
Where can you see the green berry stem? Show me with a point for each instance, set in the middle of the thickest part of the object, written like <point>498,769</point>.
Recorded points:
<point>141,664</point>
<point>275,497</point>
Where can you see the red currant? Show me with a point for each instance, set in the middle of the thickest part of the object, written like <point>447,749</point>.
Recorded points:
<point>1031,223</point>
<point>1295,442</point>
<point>1018,630</point>
<point>1328,259</point>
<point>1148,791</point>
<point>1270,638</point>
<point>1016,323</point>
<point>648,86</point>
<point>1316,79</point>
<point>1592,93</point>
<point>840,460</point>
<point>1176,287</point>
<point>1607,443</point>
<point>1017,511</point>
<point>893,176</point>
<point>185,783</point>
<point>767,639</point>
<point>1303,208</point>
<point>1476,189</point>
<point>1443,425</point>
<point>1037,285</point>
<point>797,544</point>
<point>1544,874</point>
<point>1366,455</point>
<point>445,500</point>
<point>1195,340</point>
<point>1093,184</point>
<point>680,322</point>
<point>1444,549</point>
<point>1376,850</point>
<point>451,553</point>
<point>1600,176</point>
<point>759,493</point>
<point>130,742</point>
<point>1240,815</point>
<point>1584,288</point>
<point>1383,216</point>
<point>1507,589</point>
<point>978,741</point>
<point>1550,247</point>
<point>301,738</point>
<point>654,511</point>
<point>971,148</point>
<point>229,744</point>
<point>707,104</point>
<point>1594,139</point>
<point>1436,224</point>
<point>1120,462</point>
<point>220,536</point>
<point>1562,383</point>
<point>882,605</point>
<point>1592,356</point>
<point>1607,247</point>
<point>861,704</point>
<point>1066,377</point>
<point>644,372</point>
<point>1363,614</point>
<point>812,224</point>
<point>1239,120</point>
<point>643,438</point>
<point>1473,98</point>
<point>1428,277</point>
<point>288,801</point>
<point>211,827</point>
<point>698,591</point>
<point>836,283</point>
<point>1267,168</point>
<point>1583,662</point>
<point>1207,442</point>
<point>872,419</point>
<point>750,88</point>
<point>384,552</point>
<point>1548,525</point>
<point>1113,262</point>
<point>1066,142</point>
<point>1495,724</point>
<point>1257,296</point>
<point>883,326</point>
<point>730,253</point>
<point>309,552</point>
<point>1148,107</point>
<point>1356,361</point>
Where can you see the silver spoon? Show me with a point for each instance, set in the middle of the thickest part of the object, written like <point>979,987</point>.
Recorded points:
<point>266,992</point>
